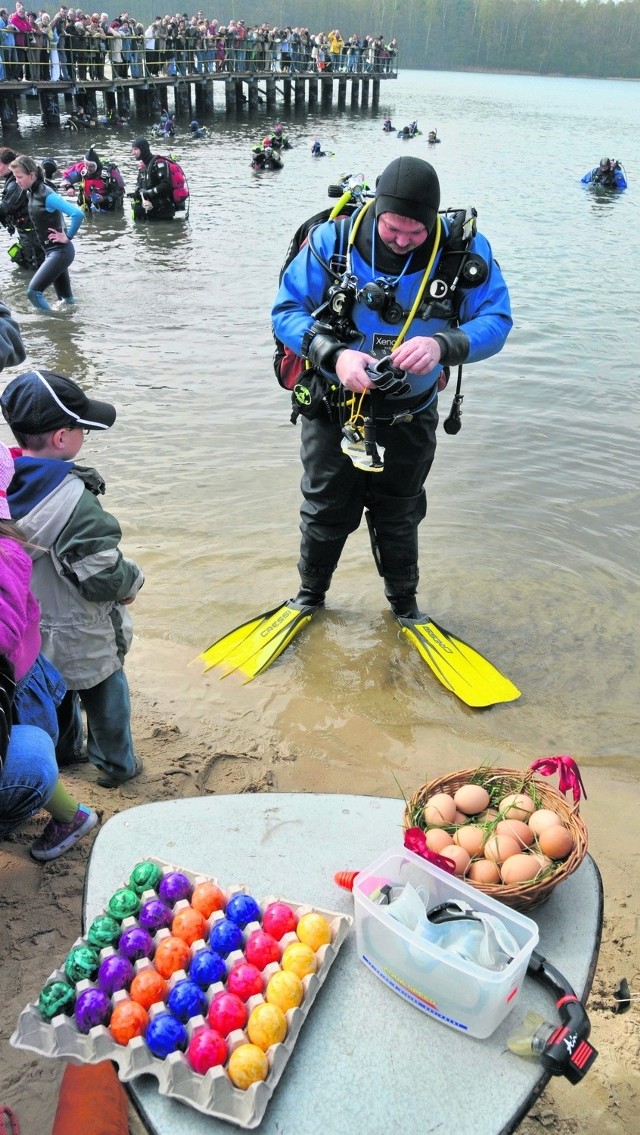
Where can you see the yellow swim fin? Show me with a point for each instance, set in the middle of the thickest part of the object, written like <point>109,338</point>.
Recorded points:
<point>250,648</point>
<point>457,665</point>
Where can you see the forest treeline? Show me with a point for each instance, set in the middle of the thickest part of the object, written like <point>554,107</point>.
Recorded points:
<point>566,37</point>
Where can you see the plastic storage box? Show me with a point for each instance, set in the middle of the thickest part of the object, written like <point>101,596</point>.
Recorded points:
<point>466,996</point>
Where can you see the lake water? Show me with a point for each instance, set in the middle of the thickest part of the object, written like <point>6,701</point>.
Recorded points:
<point>529,550</point>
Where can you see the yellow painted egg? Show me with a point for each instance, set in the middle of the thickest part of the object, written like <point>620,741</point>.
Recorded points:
<point>247,1064</point>
<point>267,1025</point>
<point>300,959</point>
<point>285,990</point>
<point>314,930</point>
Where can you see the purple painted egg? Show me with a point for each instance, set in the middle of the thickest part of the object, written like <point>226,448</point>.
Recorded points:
<point>174,886</point>
<point>92,1008</point>
<point>115,973</point>
<point>155,914</point>
<point>136,943</point>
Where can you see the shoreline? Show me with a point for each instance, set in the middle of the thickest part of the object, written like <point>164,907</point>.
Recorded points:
<point>195,740</point>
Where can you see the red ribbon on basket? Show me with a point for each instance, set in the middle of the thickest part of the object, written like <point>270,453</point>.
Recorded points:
<point>568,774</point>
<point>415,840</point>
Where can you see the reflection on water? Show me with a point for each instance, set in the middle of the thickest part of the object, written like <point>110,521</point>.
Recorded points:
<point>529,549</point>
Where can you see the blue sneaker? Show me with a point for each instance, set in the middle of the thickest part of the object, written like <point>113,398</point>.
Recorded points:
<point>58,838</point>
<point>38,299</point>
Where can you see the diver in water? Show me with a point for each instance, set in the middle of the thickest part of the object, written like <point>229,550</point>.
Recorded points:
<point>317,151</point>
<point>265,157</point>
<point>26,250</point>
<point>279,139</point>
<point>609,174</point>
<point>387,127</point>
<point>166,127</point>
<point>153,198</point>
<point>432,137</point>
<point>198,131</point>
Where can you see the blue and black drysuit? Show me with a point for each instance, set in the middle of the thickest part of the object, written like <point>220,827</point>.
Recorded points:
<point>336,492</point>
<point>609,177</point>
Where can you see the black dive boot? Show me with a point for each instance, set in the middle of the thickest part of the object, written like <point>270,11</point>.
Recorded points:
<point>402,599</point>
<point>313,589</point>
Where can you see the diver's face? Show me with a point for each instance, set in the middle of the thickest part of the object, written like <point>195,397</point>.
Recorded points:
<point>401,234</point>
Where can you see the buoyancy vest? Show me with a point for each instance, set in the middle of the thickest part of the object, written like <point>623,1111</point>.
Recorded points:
<point>456,271</point>
<point>42,219</point>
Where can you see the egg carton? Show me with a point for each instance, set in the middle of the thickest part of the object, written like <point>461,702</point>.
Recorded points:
<point>212,1093</point>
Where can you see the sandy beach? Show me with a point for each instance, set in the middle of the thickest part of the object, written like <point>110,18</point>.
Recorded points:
<point>193,743</point>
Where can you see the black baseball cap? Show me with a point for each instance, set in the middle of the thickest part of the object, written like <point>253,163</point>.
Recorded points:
<point>38,401</point>
<point>410,188</point>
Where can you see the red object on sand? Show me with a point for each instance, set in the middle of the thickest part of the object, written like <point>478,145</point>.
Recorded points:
<point>345,879</point>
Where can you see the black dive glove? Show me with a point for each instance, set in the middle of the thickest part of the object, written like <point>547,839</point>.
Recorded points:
<point>388,378</point>
<point>322,348</point>
<point>454,347</point>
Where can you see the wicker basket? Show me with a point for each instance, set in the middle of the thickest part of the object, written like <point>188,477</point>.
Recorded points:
<point>501,782</point>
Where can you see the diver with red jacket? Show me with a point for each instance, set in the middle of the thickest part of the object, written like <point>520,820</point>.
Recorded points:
<point>153,198</point>
<point>99,185</point>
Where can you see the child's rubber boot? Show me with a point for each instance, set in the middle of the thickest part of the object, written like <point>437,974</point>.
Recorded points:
<point>38,299</point>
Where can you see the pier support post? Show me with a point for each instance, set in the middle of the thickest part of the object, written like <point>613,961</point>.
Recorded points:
<point>252,91</point>
<point>375,94</point>
<point>271,94</point>
<point>68,102</point>
<point>286,91</point>
<point>313,92</point>
<point>87,100</point>
<point>156,100</point>
<point>355,91</point>
<point>141,98</point>
<point>365,92</point>
<point>327,93</point>
<point>342,93</point>
<point>8,109</point>
<point>110,101</point>
<point>123,102</point>
<point>204,98</point>
<point>237,83</point>
<point>230,95</point>
<point>299,93</point>
<point>182,99</point>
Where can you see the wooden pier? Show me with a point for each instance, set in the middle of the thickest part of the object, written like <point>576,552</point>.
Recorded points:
<point>193,95</point>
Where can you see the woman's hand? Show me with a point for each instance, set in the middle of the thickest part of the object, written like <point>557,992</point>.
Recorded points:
<point>57,237</point>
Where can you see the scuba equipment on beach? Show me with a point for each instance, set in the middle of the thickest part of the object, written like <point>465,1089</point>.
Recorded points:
<point>563,1049</point>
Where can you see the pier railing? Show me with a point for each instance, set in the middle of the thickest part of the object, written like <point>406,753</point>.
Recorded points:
<point>115,58</point>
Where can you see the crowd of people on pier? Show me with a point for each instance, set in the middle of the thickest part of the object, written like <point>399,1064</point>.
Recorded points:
<point>74,46</point>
